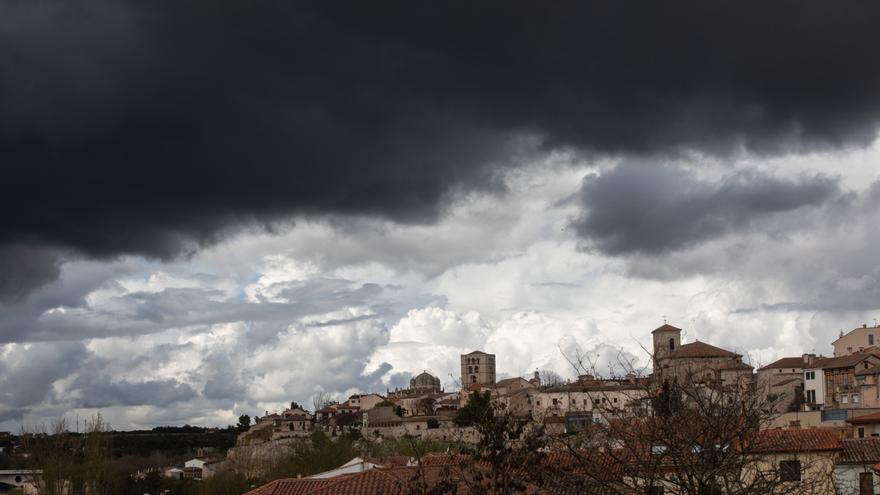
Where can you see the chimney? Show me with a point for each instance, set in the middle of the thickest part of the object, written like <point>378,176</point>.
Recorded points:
<point>808,358</point>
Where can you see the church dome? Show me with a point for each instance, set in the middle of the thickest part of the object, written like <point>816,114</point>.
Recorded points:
<point>424,380</point>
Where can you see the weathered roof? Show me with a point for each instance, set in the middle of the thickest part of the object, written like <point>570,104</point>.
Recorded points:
<point>865,419</point>
<point>736,366</point>
<point>786,382</point>
<point>860,451</point>
<point>786,362</point>
<point>389,481</point>
<point>666,328</point>
<point>841,362</point>
<point>699,349</point>
<point>788,440</point>
<point>292,486</point>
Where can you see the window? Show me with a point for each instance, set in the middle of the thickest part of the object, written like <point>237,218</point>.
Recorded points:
<point>811,396</point>
<point>538,403</point>
<point>473,379</point>
<point>811,375</point>
<point>861,432</point>
<point>476,369</point>
<point>844,399</point>
<point>671,344</point>
<point>866,484</point>
<point>789,470</point>
<point>856,398</point>
<point>870,339</point>
<point>555,402</point>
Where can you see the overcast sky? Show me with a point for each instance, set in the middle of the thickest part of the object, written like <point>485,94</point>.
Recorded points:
<point>214,208</point>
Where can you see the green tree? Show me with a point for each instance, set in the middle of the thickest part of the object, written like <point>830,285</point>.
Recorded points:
<point>244,422</point>
<point>477,409</point>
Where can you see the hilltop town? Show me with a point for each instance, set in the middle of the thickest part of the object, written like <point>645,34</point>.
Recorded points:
<point>818,411</point>
<point>810,421</point>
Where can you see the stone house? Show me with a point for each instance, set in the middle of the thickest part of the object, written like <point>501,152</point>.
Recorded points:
<point>782,381</point>
<point>600,398</point>
<point>696,362</point>
<point>804,457</point>
<point>857,340</point>
<point>854,472</point>
<point>842,388</point>
<point>364,402</point>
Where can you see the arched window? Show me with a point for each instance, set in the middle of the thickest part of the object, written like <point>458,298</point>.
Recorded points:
<point>473,379</point>
<point>671,344</point>
<point>476,369</point>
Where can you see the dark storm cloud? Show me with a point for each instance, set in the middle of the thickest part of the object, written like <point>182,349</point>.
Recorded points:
<point>25,268</point>
<point>103,392</point>
<point>155,128</point>
<point>656,209</point>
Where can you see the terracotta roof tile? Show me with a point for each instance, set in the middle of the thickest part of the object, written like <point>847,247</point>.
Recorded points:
<point>786,362</point>
<point>700,349</point>
<point>809,440</point>
<point>860,451</point>
<point>292,486</point>
<point>665,328</point>
<point>865,419</point>
<point>841,362</point>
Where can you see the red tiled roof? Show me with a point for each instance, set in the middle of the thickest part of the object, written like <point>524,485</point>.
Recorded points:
<point>292,486</point>
<point>809,440</point>
<point>666,328</point>
<point>786,362</point>
<point>842,361</point>
<point>700,350</point>
<point>860,451</point>
<point>867,418</point>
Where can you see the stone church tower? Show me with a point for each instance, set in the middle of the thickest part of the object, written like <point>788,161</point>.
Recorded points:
<point>667,339</point>
<point>477,367</point>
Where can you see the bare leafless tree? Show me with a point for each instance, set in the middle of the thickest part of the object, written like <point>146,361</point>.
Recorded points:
<point>70,463</point>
